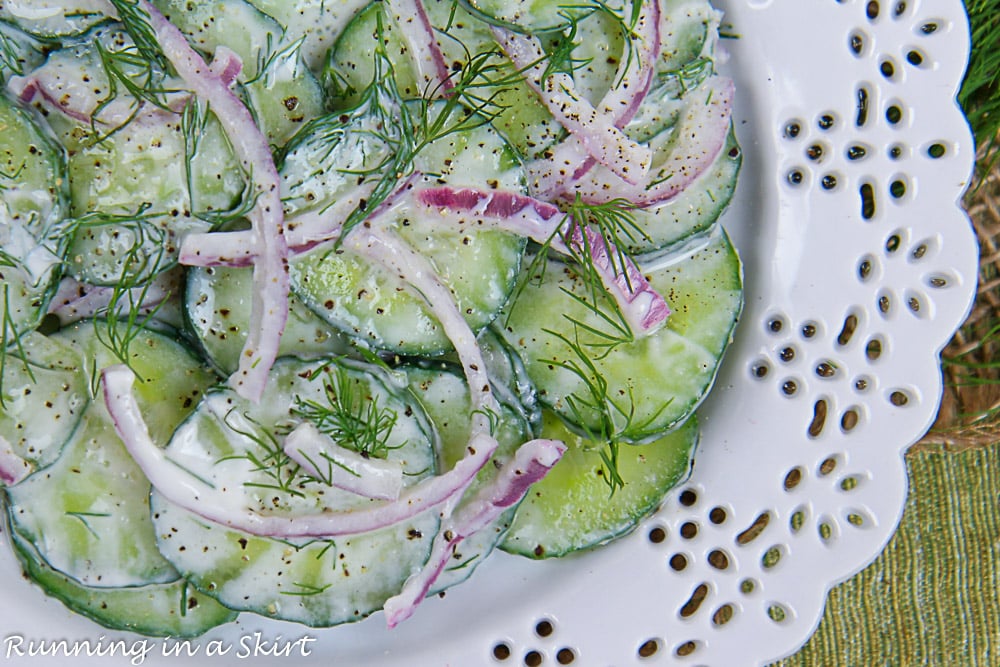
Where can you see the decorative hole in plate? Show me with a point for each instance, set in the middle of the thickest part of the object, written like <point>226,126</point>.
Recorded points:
<point>648,648</point>
<point>863,106</point>
<point>533,659</point>
<point>717,516</point>
<point>819,418</point>
<point>718,559</point>
<point>792,479</point>
<point>565,656</point>
<point>501,652</point>
<point>690,608</point>
<point>685,649</point>
<point>828,465</point>
<point>544,628</point>
<point>849,420</point>
<point>867,192</point>
<point>754,530</point>
<point>678,562</point>
<point>723,615</point>
<point>771,558</point>
<point>777,613</point>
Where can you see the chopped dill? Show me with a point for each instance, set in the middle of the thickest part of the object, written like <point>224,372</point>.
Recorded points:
<point>352,419</point>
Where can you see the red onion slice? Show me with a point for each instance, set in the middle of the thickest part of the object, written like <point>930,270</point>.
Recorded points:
<point>324,459</point>
<point>642,306</point>
<point>699,136</point>
<point>269,310</point>
<point>13,468</point>
<point>531,462</point>
<point>418,33</point>
<point>75,301</point>
<point>569,159</point>
<point>226,508</point>
<point>596,131</point>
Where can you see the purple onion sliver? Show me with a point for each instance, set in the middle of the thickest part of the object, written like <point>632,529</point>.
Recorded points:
<point>13,468</point>
<point>220,507</point>
<point>269,309</point>
<point>532,461</point>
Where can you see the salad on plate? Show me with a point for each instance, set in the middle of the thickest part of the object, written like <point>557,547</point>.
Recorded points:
<point>309,307</point>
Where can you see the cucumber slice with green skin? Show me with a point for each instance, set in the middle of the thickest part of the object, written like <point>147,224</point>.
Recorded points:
<point>138,177</point>
<point>528,16</point>
<point>21,51</point>
<point>691,32</point>
<point>317,22</point>
<point>600,46</point>
<point>58,19</point>
<point>44,394</point>
<point>652,383</point>
<point>88,512</point>
<point>235,24</point>
<point>173,609</point>
<point>315,582</point>
<point>217,306</point>
<point>692,213</point>
<point>516,112</point>
<point>33,200</point>
<point>282,91</point>
<point>571,509</point>
<point>374,304</point>
<point>444,394</point>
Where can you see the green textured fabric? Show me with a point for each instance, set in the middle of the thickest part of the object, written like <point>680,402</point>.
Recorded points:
<point>933,597</point>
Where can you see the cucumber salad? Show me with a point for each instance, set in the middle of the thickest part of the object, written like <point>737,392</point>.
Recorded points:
<point>310,306</point>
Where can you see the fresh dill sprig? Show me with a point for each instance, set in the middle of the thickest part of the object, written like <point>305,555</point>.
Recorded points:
<point>411,125</point>
<point>82,518</point>
<point>283,473</point>
<point>10,59</point>
<point>307,589</point>
<point>136,22</point>
<point>123,319</point>
<point>615,421</point>
<point>351,419</point>
<point>10,339</point>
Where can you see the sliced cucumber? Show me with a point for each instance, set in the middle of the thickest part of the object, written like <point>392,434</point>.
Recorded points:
<point>372,303</point>
<point>445,396</point>
<point>54,18</point>
<point>315,582</point>
<point>235,24</point>
<point>33,200</point>
<point>530,16</point>
<point>44,394</point>
<point>572,508</point>
<point>217,305</point>
<point>691,32</point>
<point>173,609</point>
<point>88,513</point>
<point>694,211</point>
<point>516,111</point>
<point>652,383</point>
<point>316,22</point>
<point>21,52</point>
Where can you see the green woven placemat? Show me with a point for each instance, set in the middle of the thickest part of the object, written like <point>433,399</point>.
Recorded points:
<point>932,599</point>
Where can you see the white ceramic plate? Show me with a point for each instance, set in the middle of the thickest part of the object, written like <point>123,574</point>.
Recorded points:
<point>859,266</point>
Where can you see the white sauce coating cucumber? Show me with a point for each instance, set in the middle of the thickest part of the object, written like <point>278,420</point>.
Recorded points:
<point>173,609</point>
<point>445,396</point>
<point>653,382</point>
<point>315,582</point>
<point>371,303</point>
<point>88,513</point>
